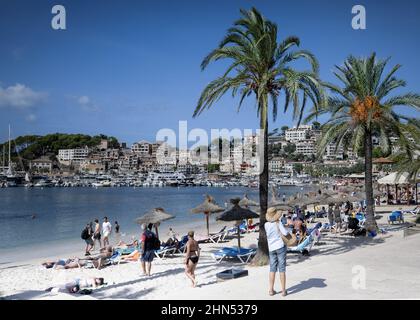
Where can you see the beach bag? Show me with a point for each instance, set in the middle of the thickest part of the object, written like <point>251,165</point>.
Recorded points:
<point>85,234</point>
<point>156,243</point>
<point>290,240</point>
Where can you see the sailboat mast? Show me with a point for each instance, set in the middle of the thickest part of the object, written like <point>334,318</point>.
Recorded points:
<point>10,164</point>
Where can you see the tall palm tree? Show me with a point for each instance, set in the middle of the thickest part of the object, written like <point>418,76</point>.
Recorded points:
<point>261,67</point>
<point>362,108</point>
<point>410,162</point>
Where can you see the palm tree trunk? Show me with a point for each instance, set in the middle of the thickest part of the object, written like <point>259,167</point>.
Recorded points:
<point>261,258</point>
<point>370,218</point>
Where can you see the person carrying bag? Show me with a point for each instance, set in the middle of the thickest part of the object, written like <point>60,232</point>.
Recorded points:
<point>278,239</point>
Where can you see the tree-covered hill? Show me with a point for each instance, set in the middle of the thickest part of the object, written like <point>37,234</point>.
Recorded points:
<point>34,146</point>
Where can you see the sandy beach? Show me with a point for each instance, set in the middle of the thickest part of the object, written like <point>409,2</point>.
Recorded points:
<point>389,261</point>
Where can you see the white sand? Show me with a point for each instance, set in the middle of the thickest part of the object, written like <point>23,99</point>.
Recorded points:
<point>391,262</point>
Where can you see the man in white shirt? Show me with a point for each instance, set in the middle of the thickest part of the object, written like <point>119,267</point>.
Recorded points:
<point>106,231</point>
<point>277,249</point>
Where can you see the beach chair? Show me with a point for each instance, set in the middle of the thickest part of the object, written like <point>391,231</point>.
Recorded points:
<point>304,247</point>
<point>396,216</point>
<point>182,244</point>
<point>126,251</point>
<point>164,251</point>
<point>220,236</point>
<point>362,219</point>
<point>243,254</point>
<point>118,258</point>
<point>414,212</point>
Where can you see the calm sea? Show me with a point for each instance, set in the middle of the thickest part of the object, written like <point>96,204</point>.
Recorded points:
<point>61,213</point>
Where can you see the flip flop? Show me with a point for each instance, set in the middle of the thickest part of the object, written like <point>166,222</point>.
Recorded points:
<point>284,293</point>
<point>272,293</point>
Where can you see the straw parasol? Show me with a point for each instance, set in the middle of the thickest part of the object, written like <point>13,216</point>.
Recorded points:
<point>246,202</point>
<point>155,216</point>
<point>207,207</point>
<point>237,213</point>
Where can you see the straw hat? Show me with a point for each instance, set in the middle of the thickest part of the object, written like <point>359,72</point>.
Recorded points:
<point>272,214</point>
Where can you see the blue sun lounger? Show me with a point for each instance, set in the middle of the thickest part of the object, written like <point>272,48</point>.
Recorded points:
<point>304,247</point>
<point>243,254</point>
<point>396,216</point>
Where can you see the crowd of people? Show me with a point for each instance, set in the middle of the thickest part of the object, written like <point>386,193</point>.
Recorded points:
<point>279,227</point>
<point>93,234</point>
<point>142,249</point>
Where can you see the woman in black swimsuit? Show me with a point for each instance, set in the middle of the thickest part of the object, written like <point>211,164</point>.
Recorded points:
<point>191,257</point>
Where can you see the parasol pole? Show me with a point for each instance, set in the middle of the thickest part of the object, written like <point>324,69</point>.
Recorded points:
<point>207,223</point>
<point>156,229</point>
<point>239,238</point>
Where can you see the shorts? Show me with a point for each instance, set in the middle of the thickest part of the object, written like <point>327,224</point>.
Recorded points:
<point>89,241</point>
<point>148,256</point>
<point>278,260</point>
<point>106,234</point>
<point>97,236</point>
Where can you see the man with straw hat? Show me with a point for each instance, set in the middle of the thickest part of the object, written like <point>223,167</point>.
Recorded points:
<point>277,248</point>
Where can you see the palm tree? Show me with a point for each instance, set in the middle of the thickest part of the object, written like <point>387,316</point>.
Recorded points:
<point>410,162</point>
<point>261,67</point>
<point>362,108</point>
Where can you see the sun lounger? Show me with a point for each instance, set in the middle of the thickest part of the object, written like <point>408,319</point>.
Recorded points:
<point>181,245</point>
<point>129,250</point>
<point>220,236</point>
<point>117,258</point>
<point>304,247</point>
<point>164,251</point>
<point>396,216</point>
<point>415,211</point>
<point>244,255</point>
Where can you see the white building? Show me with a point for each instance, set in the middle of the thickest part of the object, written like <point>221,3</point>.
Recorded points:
<point>298,133</point>
<point>73,155</point>
<point>142,148</point>
<point>333,153</point>
<point>276,165</point>
<point>306,147</point>
<point>41,164</point>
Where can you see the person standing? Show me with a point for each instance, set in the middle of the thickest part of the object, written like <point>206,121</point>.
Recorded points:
<point>277,249</point>
<point>87,236</point>
<point>330,216</point>
<point>117,232</point>
<point>148,239</point>
<point>97,234</point>
<point>191,258</point>
<point>337,218</point>
<point>106,231</point>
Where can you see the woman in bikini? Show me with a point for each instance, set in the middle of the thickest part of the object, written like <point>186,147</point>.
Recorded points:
<point>191,258</point>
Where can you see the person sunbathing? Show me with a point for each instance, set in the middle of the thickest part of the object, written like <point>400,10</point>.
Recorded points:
<point>123,245</point>
<point>76,285</point>
<point>134,256</point>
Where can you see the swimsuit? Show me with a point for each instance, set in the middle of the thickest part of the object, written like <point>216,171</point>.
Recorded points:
<point>194,259</point>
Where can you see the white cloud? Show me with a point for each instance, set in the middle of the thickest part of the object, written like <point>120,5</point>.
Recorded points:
<point>20,96</point>
<point>31,117</point>
<point>84,100</point>
<point>86,103</point>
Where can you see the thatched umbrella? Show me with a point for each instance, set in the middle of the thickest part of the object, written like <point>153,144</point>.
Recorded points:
<point>237,213</point>
<point>246,202</point>
<point>281,206</point>
<point>155,216</point>
<point>207,207</point>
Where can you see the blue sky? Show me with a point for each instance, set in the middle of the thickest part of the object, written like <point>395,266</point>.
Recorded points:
<point>130,68</point>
